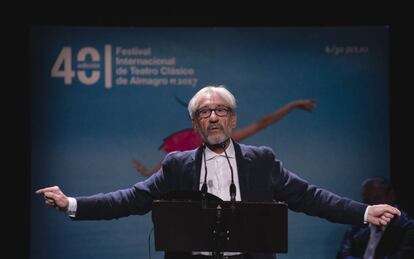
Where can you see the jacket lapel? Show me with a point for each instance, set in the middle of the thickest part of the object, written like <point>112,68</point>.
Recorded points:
<point>195,168</point>
<point>243,165</point>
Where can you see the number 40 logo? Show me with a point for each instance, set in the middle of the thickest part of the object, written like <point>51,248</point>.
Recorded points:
<point>63,67</point>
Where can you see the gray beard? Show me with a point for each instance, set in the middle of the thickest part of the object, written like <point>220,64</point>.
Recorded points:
<point>216,139</point>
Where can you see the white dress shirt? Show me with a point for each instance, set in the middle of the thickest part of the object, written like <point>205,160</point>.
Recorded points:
<point>219,178</point>
<point>219,173</point>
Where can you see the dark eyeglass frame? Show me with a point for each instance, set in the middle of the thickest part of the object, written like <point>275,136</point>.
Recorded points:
<point>221,111</point>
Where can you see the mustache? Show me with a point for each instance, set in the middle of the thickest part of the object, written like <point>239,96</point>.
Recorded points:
<point>215,126</point>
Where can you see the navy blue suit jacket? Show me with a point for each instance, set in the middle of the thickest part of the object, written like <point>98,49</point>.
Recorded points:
<point>261,177</point>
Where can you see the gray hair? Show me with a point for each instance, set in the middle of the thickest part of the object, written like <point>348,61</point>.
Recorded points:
<point>220,90</point>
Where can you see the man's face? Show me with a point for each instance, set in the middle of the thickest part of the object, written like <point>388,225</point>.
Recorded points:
<point>214,129</point>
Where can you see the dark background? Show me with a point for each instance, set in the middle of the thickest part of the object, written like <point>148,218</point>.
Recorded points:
<point>16,104</point>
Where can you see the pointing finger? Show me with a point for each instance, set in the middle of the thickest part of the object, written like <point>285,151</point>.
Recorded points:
<point>47,189</point>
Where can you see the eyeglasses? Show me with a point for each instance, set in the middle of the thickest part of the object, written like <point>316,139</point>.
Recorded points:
<point>219,111</point>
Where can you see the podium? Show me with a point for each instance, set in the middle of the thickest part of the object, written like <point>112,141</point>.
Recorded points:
<point>218,226</point>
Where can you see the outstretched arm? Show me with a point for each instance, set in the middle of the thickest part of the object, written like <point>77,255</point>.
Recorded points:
<point>306,104</point>
<point>143,170</point>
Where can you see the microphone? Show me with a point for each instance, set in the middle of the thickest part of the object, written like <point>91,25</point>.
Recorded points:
<point>232,185</point>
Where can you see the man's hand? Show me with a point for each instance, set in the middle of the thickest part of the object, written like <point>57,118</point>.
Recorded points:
<point>381,214</point>
<point>54,197</point>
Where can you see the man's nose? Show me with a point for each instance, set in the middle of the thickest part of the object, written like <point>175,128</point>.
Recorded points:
<point>213,116</point>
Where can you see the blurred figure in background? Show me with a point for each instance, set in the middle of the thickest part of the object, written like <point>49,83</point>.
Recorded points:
<point>396,240</point>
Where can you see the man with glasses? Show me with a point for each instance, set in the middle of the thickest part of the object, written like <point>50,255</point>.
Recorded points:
<point>254,172</point>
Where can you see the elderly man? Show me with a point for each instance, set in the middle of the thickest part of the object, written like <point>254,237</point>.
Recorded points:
<point>257,176</point>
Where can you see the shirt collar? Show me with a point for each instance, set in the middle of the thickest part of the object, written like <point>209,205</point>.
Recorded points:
<point>230,152</point>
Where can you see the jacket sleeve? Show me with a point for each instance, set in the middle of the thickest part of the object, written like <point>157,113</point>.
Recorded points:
<point>122,203</point>
<point>304,197</point>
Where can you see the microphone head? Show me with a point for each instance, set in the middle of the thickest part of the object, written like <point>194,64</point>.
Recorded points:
<point>227,140</point>
<point>232,192</point>
<point>223,144</point>
<point>204,188</point>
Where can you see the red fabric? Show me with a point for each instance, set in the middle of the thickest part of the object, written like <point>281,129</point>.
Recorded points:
<point>180,141</point>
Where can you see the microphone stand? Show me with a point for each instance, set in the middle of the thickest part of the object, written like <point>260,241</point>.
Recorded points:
<point>204,186</point>
<point>218,233</point>
<point>232,185</point>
